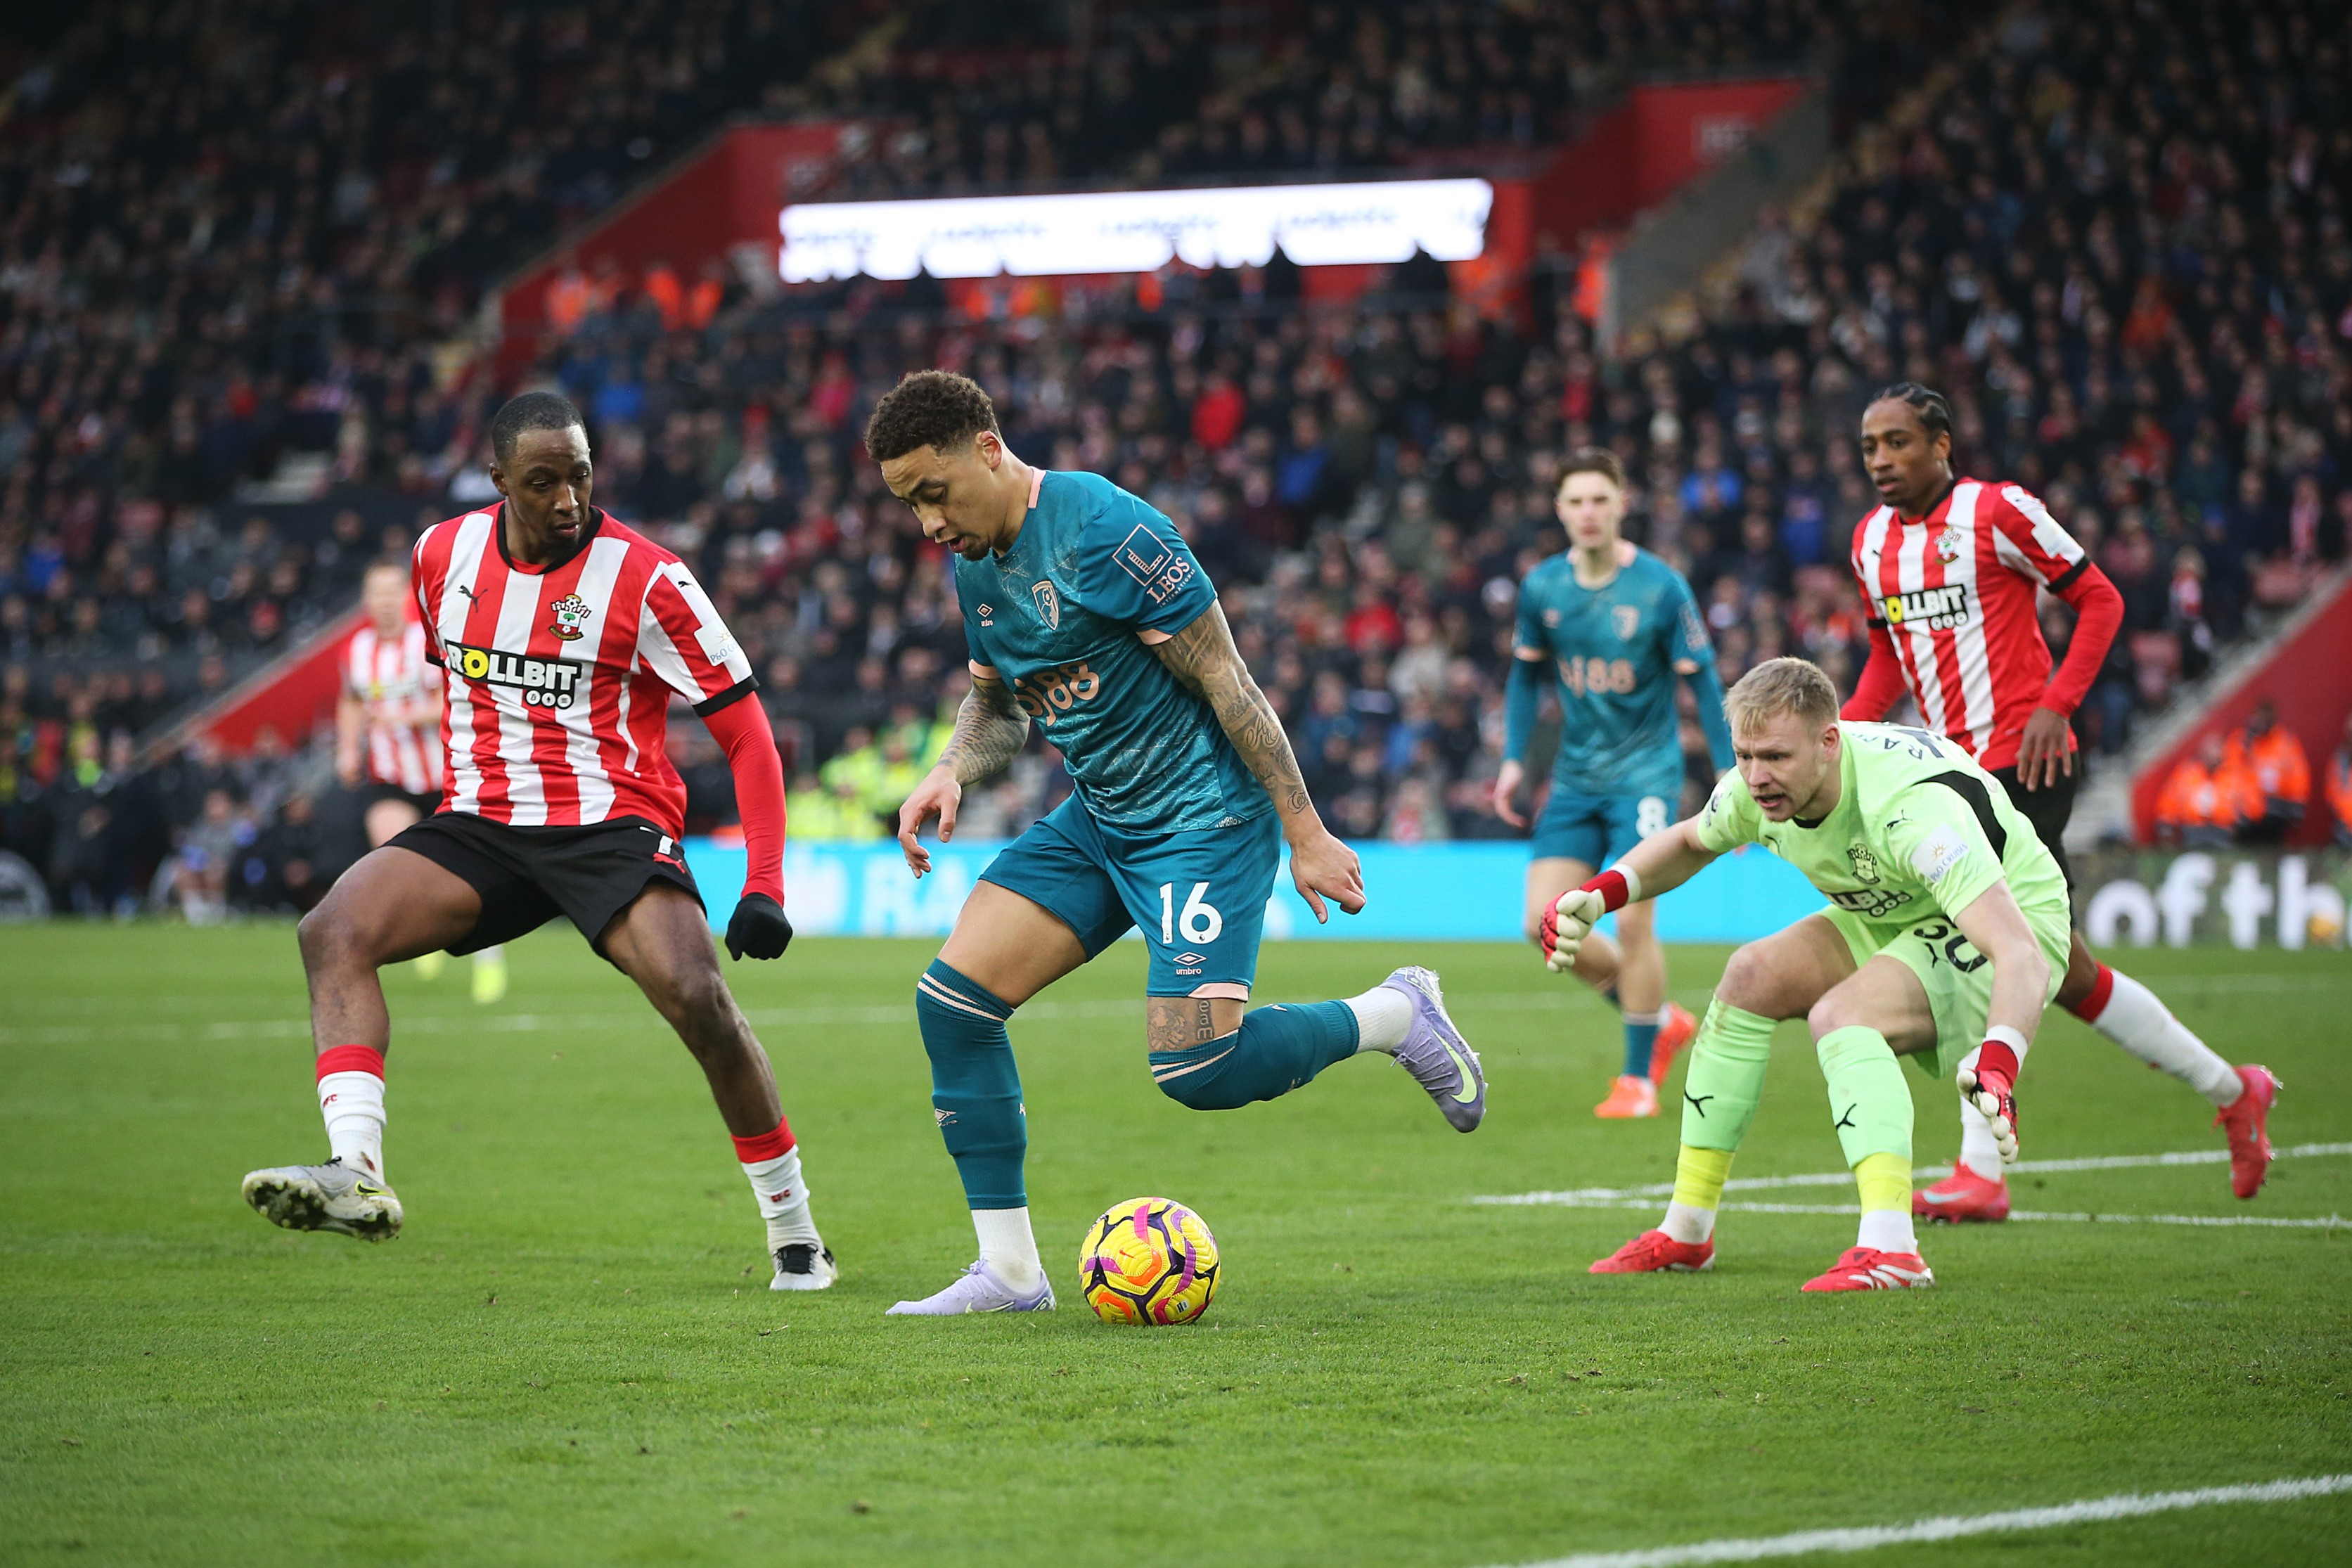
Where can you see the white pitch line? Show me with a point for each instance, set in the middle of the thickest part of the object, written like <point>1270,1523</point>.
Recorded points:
<point>1952,1527</point>
<point>1589,1198</point>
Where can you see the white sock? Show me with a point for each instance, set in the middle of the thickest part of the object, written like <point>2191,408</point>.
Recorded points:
<point>1887,1230</point>
<point>1008,1247</point>
<point>784,1198</point>
<point>1687,1225</point>
<point>1978,1152</point>
<point>2135,1019</point>
<point>1383,1017</point>
<point>353,1105</point>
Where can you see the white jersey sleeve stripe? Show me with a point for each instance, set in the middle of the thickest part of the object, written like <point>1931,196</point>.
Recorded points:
<point>449,626</point>
<point>1969,645</point>
<point>597,577</point>
<point>526,793</point>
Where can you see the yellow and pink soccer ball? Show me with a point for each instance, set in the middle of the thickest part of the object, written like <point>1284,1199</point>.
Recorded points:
<point>1148,1261</point>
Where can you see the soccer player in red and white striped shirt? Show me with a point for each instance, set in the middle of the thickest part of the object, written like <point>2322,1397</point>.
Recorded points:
<point>388,735</point>
<point>1952,570</point>
<point>562,636</point>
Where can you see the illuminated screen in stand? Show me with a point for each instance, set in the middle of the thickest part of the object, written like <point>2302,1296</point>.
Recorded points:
<point>1135,231</point>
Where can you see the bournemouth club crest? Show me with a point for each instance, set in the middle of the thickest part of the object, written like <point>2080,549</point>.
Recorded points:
<point>1049,605</point>
<point>570,611</point>
<point>1627,619</point>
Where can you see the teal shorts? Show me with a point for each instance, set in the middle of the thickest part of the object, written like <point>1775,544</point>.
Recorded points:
<point>1199,898</point>
<point>1597,828</point>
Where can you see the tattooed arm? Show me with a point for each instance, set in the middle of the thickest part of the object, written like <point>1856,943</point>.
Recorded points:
<point>989,730</point>
<point>1203,658</point>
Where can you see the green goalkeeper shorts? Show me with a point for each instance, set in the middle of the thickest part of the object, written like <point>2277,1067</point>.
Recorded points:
<point>1955,976</point>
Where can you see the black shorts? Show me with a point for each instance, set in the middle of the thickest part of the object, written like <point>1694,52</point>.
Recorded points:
<point>372,795</point>
<point>2048,808</point>
<point>528,876</point>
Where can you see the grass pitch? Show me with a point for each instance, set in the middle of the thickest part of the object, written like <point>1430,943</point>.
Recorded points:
<point>571,1356</point>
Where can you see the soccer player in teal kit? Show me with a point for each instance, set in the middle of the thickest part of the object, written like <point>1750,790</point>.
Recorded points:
<point>1086,612</point>
<point>1611,626</point>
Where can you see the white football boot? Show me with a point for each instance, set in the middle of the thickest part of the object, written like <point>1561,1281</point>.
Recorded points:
<point>978,1289</point>
<point>332,1197</point>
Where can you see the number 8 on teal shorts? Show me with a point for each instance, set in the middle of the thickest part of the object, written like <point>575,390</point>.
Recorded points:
<point>1596,828</point>
<point>1199,898</point>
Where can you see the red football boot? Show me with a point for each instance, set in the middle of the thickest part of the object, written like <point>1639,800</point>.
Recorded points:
<point>2246,1117</point>
<point>1962,1197</point>
<point>1675,1028</point>
<point>1656,1252</point>
<point>1867,1269</point>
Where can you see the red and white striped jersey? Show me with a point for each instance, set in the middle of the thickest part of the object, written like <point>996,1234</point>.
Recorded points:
<point>389,679</point>
<point>560,679</point>
<point>1956,590</point>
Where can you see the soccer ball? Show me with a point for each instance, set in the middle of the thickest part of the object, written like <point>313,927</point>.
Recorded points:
<point>1148,1261</point>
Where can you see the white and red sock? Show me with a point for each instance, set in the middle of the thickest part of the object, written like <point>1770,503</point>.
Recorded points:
<point>350,1099</point>
<point>772,1163</point>
<point>2133,1016</point>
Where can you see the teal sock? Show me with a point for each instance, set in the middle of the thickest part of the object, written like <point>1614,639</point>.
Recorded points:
<point>1275,1049</point>
<point>1639,1039</point>
<point>975,1087</point>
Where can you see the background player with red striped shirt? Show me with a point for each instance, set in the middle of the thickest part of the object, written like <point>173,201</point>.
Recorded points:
<point>1951,568</point>
<point>388,735</point>
<point>562,637</point>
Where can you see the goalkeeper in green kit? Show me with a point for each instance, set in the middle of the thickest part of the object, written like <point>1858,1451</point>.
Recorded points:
<point>1946,936</point>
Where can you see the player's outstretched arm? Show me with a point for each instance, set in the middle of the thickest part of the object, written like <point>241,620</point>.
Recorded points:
<point>989,729</point>
<point>1659,864</point>
<point>1996,927</point>
<point>2020,989</point>
<point>1203,656</point>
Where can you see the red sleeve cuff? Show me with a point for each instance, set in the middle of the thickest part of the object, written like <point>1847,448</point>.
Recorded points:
<point>1615,893</point>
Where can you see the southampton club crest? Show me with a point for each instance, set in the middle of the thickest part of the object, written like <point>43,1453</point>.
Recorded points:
<point>570,611</point>
<point>1865,863</point>
<point>1626,619</point>
<point>1049,605</point>
<point>1947,546</point>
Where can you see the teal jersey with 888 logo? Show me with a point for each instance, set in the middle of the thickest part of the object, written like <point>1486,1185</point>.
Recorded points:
<point>1061,619</point>
<point>1612,651</point>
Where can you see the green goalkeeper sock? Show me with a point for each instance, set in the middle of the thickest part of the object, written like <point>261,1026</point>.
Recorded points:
<point>1726,1077</point>
<point>1868,1098</point>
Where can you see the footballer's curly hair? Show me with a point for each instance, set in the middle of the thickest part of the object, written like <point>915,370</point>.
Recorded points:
<point>530,411</point>
<point>935,408</point>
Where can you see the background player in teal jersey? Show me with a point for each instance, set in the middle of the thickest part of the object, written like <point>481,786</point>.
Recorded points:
<point>1611,626</point>
<point>1087,613</point>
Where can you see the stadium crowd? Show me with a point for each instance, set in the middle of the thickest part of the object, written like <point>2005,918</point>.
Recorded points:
<point>1357,87</point>
<point>2115,239</point>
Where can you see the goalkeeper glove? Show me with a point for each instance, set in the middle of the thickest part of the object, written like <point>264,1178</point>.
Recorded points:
<point>1575,912</point>
<point>1990,1086</point>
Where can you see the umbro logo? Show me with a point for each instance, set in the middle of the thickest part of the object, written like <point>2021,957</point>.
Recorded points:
<point>1190,958</point>
<point>986,611</point>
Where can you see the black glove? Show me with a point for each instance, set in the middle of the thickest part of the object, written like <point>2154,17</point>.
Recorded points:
<point>759,928</point>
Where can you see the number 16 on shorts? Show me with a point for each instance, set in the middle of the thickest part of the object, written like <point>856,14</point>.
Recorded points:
<point>1199,923</point>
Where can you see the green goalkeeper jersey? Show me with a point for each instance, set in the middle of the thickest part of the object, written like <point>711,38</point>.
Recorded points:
<point>1920,830</point>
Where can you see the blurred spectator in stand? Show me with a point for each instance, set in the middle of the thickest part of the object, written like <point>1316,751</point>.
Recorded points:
<point>2267,752</point>
<point>2207,799</point>
<point>2339,786</point>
